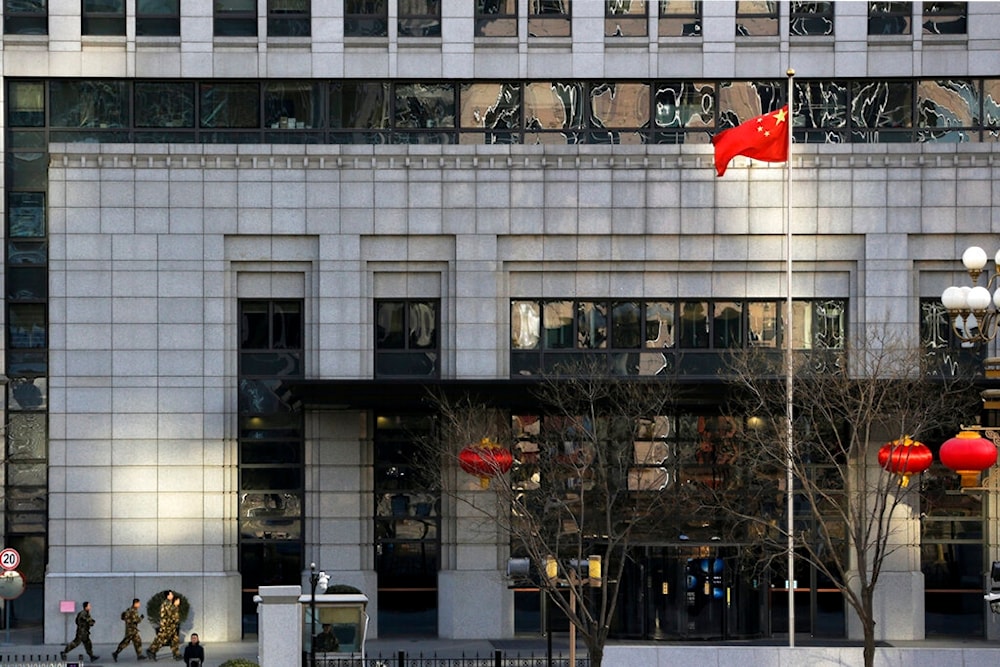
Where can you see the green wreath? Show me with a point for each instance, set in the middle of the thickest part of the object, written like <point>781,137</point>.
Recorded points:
<point>153,607</point>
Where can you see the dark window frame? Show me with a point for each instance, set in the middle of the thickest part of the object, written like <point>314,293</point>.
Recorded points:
<point>289,22</point>
<point>770,18</point>
<point>500,13</point>
<point>20,21</point>
<point>890,18</point>
<point>666,18</point>
<point>430,19</point>
<point>406,357</point>
<point>364,23</point>
<point>546,14</point>
<point>637,24</point>
<point>959,11</point>
<point>804,16</point>
<point>158,24</point>
<point>233,22</point>
<point>102,23</point>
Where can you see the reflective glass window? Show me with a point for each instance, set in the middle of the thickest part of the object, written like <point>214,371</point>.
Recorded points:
<point>230,105</point>
<point>740,101</point>
<point>525,325</point>
<point>679,18</point>
<point>164,104</point>
<point>591,325</point>
<point>158,18</point>
<point>626,18</point>
<point>360,105</point>
<point>693,324</point>
<point>496,18</point>
<point>27,252</point>
<point>683,105</point>
<point>288,18</point>
<point>102,17</point>
<point>809,19</point>
<point>991,108</point>
<point>553,106</point>
<point>235,18</point>
<point>88,103</point>
<point>27,169</point>
<point>763,318</point>
<point>27,283</point>
<point>727,324</point>
<point>757,18</point>
<point>291,105</point>
<point>889,18</point>
<point>945,107</point>
<point>619,107</point>
<point>426,105</point>
<point>26,104</point>
<point>26,215</point>
<point>882,110</point>
<point>406,338</point>
<point>27,393</point>
<point>549,18</point>
<point>945,18</point>
<point>26,325</point>
<point>419,18</point>
<point>821,111</point>
<point>25,17</point>
<point>366,18</point>
<point>493,108</point>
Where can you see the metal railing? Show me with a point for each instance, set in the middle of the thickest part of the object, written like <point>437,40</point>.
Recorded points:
<point>496,659</point>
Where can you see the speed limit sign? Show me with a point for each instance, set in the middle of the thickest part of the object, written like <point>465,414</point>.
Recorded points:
<point>9,559</point>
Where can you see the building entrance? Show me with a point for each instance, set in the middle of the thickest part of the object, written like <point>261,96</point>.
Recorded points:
<point>688,592</point>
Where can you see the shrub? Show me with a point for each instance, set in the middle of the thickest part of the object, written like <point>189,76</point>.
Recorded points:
<point>153,607</point>
<point>239,662</point>
<point>341,589</point>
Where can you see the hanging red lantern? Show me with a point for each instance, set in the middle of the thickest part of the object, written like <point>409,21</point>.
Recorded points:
<point>968,454</point>
<point>905,457</point>
<point>485,459</point>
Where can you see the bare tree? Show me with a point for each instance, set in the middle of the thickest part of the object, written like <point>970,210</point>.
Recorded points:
<point>850,513</point>
<point>587,480</point>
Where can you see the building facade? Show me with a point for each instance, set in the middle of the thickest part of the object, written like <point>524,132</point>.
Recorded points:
<point>243,238</point>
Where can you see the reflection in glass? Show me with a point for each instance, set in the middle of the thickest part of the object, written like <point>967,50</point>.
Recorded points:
<point>26,214</point>
<point>549,18</point>
<point>756,18</point>
<point>27,283</point>
<point>557,319</point>
<point>889,18</point>
<point>291,105</point>
<point>359,105</point>
<point>235,18</point>
<point>25,17</point>
<point>625,18</point>
<point>625,325</point>
<point>164,104</point>
<point>157,17</point>
<point>881,105</point>
<point>810,19</point>
<point>727,324</point>
<point>26,474</point>
<point>230,105</point>
<point>553,106</point>
<point>619,105</point>
<point>947,104</point>
<point>490,106</point>
<point>740,101</point>
<point>25,101</point>
<point>102,17</point>
<point>659,324</point>
<point>496,18</point>
<point>425,105</point>
<point>525,325</point>
<point>693,325</point>
<point>366,18</point>
<point>762,323</point>
<point>26,436</point>
<point>288,18</point>
<point>679,18</point>
<point>88,103</point>
<point>945,18</point>
<point>26,327</point>
<point>591,325</point>
<point>419,18</point>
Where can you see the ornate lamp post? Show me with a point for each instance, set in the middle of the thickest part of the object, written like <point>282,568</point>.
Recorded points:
<point>316,580</point>
<point>974,309</point>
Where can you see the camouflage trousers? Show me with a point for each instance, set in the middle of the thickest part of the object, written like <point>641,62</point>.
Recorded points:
<point>165,637</point>
<point>131,637</point>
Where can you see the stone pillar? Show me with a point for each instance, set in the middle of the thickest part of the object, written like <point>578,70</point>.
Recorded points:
<point>279,634</point>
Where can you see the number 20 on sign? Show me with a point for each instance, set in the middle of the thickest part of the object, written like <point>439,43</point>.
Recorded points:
<point>9,559</point>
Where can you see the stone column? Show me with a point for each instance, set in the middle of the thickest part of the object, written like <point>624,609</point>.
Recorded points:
<point>279,634</point>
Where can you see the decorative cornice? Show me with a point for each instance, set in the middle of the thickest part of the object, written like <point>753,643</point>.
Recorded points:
<point>805,158</point>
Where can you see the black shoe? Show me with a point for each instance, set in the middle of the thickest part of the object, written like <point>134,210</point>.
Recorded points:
<point>152,656</point>
<point>140,656</point>
<point>114,656</point>
<point>62,655</point>
<point>95,658</point>
<point>178,657</point>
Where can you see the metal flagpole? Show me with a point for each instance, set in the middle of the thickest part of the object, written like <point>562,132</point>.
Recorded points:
<point>789,446</point>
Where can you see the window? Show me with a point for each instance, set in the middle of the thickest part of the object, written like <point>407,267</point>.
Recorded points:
<point>549,18</point>
<point>157,17</point>
<point>235,18</point>
<point>406,338</point>
<point>419,18</point>
<point>688,336</point>
<point>679,19</point>
<point>946,18</point>
<point>366,18</point>
<point>496,18</point>
<point>288,18</point>
<point>424,105</point>
<point>756,18</point>
<point>270,343</point>
<point>102,17</point>
<point>944,353</point>
<point>25,17</point>
<point>889,18</point>
<point>809,19</point>
<point>625,18</point>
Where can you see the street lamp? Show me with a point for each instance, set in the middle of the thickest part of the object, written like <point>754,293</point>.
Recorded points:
<point>316,580</point>
<point>973,309</point>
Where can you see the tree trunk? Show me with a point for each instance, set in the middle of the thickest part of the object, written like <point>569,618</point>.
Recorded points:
<point>868,623</point>
<point>596,654</point>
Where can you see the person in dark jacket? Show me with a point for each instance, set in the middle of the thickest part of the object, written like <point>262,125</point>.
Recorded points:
<point>194,652</point>
<point>84,621</point>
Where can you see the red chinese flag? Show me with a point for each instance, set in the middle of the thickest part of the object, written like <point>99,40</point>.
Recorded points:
<point>764,138</point>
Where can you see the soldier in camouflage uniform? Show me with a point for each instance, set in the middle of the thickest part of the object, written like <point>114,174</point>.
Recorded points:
<point>83,623</point>
<point>170,623</point>
<point>132,618</point>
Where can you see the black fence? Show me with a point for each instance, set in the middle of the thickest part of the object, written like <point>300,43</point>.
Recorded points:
<point>496,659</point>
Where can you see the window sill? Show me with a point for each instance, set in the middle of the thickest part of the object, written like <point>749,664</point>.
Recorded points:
<point>429,43</point>
<point>812,40</point>
<point>289,43</point>
<point>102,40</point>
<point>496,42</point>
<point>235,42</point>
<point>931,39</point>
<point>550,43</point>
<point>158,41</point>
<point>626,42</point>
<point>366,42</point>
<point>686,41</point>
<point>26,40</point>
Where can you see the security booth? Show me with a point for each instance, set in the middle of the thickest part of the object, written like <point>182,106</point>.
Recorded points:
<point>339,623</point>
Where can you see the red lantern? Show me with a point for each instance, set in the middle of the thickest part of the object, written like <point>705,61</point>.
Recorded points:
<point>485,459</point>
<point>968,454</point>
<point>905,457</point>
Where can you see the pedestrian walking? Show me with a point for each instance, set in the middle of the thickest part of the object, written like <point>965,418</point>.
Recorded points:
<point>132,618</point>
<point>84,621</point>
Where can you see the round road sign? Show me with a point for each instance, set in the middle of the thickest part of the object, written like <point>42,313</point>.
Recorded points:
<point>9,559</point>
